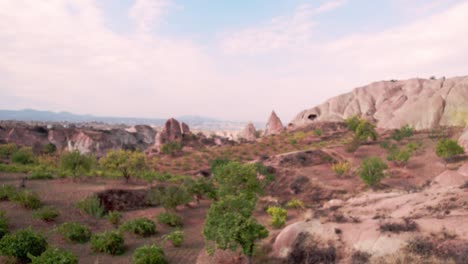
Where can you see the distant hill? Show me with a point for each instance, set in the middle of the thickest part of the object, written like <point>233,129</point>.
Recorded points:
<point>195,122</point>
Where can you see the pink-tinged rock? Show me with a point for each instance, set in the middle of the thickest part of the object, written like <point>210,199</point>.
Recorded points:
<point>333,204</point>
<point>172,132</point>
<point>185,129</point>
<point>463,170</point>
<point>463,140</point>
<point>274,125</point>
<point>450,178</point>
<point>249,133</point>
<point>420,103</point>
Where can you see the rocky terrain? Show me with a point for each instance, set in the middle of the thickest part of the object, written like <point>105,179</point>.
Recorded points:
<point>420,103</point>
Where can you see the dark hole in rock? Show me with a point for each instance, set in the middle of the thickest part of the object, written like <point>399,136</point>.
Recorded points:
<point>312,117</point>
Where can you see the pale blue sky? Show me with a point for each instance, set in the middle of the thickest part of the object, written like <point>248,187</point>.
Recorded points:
<point>234,60</point>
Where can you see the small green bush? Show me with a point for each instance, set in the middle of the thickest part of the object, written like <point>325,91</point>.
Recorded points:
<point>169,219</point>
<point>140,226</point>
<point>41,172</point>
<point>23,156</point>
<point>171,148</point>
<point>28,200</point>
<point>400,157</point>
<point>6,150</point>
<point>75,232</point>
<point>114,218</point>
<point>46,214</point>
<point>278,216</point>
<point>23,243</point>
<point>176,237</point>
<point>404,132</point>
<point>447,148</point>
<point>92,206</point>
<point>151,254</point>
<point>341,168</point>
<point>3,225</point>
<point>371,170</point>
<point>295,204</point>
<point>55,256</point>
<point>7,192</point>
<point>76,163</point>
<point>49,148</point>
<point>318,132</point>
<point>111,242</point>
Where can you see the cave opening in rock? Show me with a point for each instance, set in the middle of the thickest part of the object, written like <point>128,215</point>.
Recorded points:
<point>312,117</point>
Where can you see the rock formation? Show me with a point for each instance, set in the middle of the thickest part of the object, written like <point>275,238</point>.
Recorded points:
<point>185,129</point>
<point>274,125</point>
<point>420,103</point>
<point>172,132</point>
<point>249,133</point>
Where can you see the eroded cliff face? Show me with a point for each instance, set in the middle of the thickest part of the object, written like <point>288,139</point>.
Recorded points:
<point>421,103</point>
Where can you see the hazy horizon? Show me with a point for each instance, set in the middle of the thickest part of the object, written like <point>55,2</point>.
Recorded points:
<point>229,60</point>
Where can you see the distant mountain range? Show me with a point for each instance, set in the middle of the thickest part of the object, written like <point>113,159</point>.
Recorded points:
<point>195,122</point>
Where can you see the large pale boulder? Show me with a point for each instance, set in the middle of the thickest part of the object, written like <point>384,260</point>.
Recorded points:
<point>421,103</point>
<point>274,125</point>
<point>463,140</point>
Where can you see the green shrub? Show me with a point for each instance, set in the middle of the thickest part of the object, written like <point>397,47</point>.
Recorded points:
<point>318,132</point>
<point>49,148</point>
<point>151,254</point>
<point>23,156</point>
<point>176,237</point>
<point>3,225</point>
<point>55,256</point>
<point>140,226</point>
<point>22,243</point>
<point>46,213</point>
<point>125,163</point>
<point>76,163</point>
<point>28,200</point>
<point>6,150</point>
<point>366,130</point>
<point>169,219</point>
<point>41,172</point>
<point>404,132</point>
<point>371,170</point>
<point>341,168</point>
<point>400,157</point>
<point>352,122</point>
<point>295,204</point>
<point>278,216</point>
<point>114,218</point>
<point>171,148</point>
<point>111,242</point>
<point>75,232</point>
<point>171,196</point>
<point>447,148</point>
<point>7,192</point>
<point>92,206</point>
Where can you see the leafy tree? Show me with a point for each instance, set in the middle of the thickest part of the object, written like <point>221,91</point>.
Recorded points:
<point>448,148</point>
<point>171,148</point>
<point>371,170</point>
<point>201,187</point>
<point>234,178</point>
<point>76,163</point>
<point>352,122</point>
<point>127,163</point>
<point>230,225</point>
<point>6,150</point>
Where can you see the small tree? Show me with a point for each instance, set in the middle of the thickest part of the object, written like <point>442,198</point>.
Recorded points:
<point>371,170</point>
<point>448,148</point>
<point>200,188</point>
<point>171,196</point>
<point>127,163</point>
<point>76,163</point>
<point>352,122</point>
<point>234,178</point>
<point>230,225</point>
<point>366,130</point>
<point>23,156</point>
<point>278,216</point>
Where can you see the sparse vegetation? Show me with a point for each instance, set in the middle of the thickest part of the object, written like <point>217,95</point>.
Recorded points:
<point>75,232</point>
<point>295,204</point>
<point>171,148</point>
<point>23,156</point>
<point>114,218</point>
<point>3,225</point>
<point>7,192</point>
<point>22,244</point>
<point>140,226</point>
<point>308,249</point>
<point>371,170</point>
<point>92,206</point>
<point>46,213</point>
<point>407,225</point>
<point>278,216</point>
<point>341,168</point>
<point>27,199</point>
<point>170,219</point>
<point>403,132</point>
<point>110,242</point>
<point>150,254</point>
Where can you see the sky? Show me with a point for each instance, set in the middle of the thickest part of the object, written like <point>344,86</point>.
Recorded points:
<point>231,60</point>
